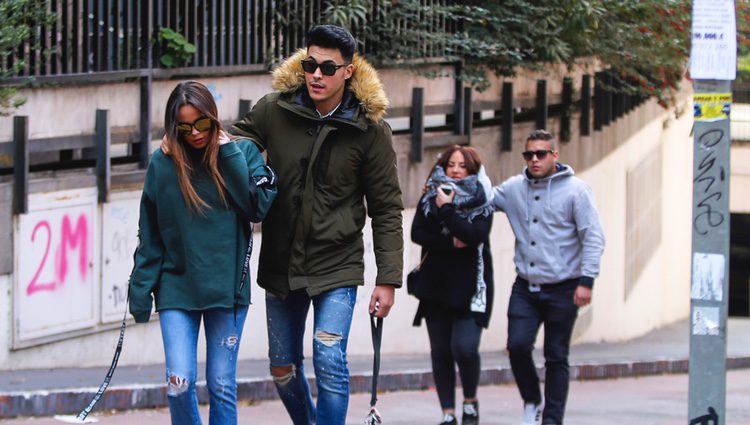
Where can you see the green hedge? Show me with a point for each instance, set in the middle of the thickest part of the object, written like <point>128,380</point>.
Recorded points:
<point>743,68</point>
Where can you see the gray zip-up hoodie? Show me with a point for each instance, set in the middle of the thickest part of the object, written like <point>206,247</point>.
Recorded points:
<point>558,234</point>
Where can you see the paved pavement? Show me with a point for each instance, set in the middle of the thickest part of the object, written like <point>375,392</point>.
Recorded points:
<point>29,392</point>
<point>653,400</point>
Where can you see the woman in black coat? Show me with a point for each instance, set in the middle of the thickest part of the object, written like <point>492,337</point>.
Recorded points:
<point>452,224</point>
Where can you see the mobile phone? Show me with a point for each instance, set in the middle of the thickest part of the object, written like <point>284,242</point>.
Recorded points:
<point>447,189</point>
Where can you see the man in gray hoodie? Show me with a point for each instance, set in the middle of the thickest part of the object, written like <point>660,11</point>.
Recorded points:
<point>559,243</point>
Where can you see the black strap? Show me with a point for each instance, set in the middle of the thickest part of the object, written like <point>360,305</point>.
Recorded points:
<point>245,268</point>
<point>269,180</point>
<point>103,387</point>
<point>377,337</point>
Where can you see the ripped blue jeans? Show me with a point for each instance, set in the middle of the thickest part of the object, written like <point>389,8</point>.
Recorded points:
<point>286,318</point>
<point>179,330</point>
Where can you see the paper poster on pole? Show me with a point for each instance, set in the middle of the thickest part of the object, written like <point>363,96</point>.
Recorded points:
<point>706,321</point>
<point>713,52</point>
<point>708,277</point>
<point>711,106</point>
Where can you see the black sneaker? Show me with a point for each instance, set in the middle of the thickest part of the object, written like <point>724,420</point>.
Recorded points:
<point>471,413</point>
<point>448,419</point>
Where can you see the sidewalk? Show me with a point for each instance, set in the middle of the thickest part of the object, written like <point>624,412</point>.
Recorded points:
<point>44,392</point>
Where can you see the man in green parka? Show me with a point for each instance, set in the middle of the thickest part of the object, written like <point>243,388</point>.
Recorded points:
<point>324,136</point>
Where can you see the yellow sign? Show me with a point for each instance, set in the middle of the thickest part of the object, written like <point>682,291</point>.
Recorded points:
<point>711,106</point>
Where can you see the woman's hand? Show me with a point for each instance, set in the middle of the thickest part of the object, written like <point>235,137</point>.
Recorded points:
<point>442,199</point>
<point>223,138</point>
<point>458,243</point>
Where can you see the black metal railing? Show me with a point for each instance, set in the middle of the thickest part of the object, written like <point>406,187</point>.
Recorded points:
<point>92,36</point>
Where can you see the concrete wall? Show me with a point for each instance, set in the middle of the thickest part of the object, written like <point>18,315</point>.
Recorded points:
<point>739,198</point>
<point>660,296</point>
<point>661,293</point>
<point>65,111</point>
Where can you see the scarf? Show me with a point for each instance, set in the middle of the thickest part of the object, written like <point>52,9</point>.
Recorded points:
<point>473,193</point>
<point>472,199</point>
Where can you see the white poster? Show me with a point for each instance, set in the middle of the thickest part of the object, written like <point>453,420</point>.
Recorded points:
<point>708,277</point>
<point>713,52</point>
<point>705,321</point>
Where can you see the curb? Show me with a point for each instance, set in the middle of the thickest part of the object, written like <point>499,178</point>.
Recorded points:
<point>70,401</point>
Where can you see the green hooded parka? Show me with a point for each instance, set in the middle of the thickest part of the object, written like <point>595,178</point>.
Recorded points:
<point>332,172</point>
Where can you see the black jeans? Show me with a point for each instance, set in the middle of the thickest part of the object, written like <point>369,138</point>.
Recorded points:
<point>552,305</point>
<point>454,340</point>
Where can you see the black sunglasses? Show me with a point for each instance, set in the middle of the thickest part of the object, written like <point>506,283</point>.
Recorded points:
<point>540,154</point>
<point>327,68</point>
<point>201,124</point>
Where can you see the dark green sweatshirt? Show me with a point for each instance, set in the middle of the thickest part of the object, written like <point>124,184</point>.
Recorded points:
<point>191,261</point>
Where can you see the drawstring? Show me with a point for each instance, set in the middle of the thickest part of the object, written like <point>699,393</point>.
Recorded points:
<point>549,194</point>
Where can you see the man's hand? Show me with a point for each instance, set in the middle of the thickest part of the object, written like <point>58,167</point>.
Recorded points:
<point>223,138</point>
<point>382,300</point>
<point>582,296</point>
<point>458,243</point>
<point>164,145</point>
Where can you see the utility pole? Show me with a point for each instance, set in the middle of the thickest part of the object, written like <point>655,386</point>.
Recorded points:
<point>713,59</point>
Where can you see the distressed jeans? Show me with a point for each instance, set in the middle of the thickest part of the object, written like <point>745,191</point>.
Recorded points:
<point>552,305</point>
<point>286,318</point>
<point>179,330</point>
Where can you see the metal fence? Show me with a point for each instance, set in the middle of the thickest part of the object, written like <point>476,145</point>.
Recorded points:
<point>90,36</point>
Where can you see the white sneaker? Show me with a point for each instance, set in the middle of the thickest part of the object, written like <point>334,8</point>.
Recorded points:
<point>532,413</point>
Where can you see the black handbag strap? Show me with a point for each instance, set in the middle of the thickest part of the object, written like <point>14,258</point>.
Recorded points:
<point>424,257</point>
<point>103,387</point>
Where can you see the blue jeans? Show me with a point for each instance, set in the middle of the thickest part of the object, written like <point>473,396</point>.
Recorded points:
<point>286,329</point>
<point>552,305</point>
<point>179,330</point>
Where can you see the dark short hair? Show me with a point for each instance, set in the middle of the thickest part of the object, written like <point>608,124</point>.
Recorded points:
<point>543,135</point>
<point>471,158</point>
<point>332,37</point>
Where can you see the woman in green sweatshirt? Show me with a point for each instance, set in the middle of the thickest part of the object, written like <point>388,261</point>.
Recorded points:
<point>197,204</point>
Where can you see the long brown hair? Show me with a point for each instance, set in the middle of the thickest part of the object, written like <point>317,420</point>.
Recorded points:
<point>471,158</point>
<point>197,95</point>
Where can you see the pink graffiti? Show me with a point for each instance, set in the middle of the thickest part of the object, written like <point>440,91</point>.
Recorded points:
<point>72,239</point>
<point>33,286</point>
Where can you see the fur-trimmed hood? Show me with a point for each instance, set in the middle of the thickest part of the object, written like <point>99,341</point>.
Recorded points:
<point>365,83</point>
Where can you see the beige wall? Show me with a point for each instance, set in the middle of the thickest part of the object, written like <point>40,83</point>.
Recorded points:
<point>68,111</point>
<point>739,196</point>
<point>660,296</point>
<point>65,111</point>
